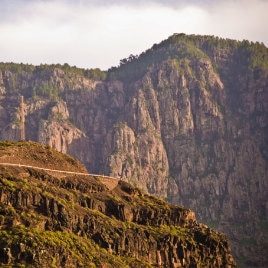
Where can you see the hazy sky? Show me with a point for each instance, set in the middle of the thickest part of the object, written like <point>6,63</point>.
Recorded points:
<point>98,33</point>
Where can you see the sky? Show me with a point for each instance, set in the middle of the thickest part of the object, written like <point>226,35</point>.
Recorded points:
<point>99,33</point>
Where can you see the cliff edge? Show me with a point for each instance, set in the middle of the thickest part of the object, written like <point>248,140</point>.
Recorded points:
<point>56,219</point>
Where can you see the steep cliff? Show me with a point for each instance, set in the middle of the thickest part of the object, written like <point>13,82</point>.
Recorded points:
<point>186,120</point>
<point>53,219</point>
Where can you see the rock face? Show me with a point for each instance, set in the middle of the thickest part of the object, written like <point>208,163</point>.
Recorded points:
<point>64,220</point>
<point>186,120</point>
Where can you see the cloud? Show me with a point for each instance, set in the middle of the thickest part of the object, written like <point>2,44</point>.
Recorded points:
<point>243,19</point>
<point>100,33</point>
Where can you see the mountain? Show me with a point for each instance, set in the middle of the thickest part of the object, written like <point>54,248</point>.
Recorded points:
<point>56,219</point>
<point>186,121</point>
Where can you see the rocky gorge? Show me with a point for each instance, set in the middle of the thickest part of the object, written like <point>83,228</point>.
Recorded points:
<point>186,121</point>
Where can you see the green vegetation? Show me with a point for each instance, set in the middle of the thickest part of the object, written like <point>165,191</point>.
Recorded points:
<point>21,77</point>
<point>181,47</point>
<point>4,144</point>
<point>120,125</point>
<point>73,71</point>
<point>48,245</point>
<point>15,67</point>
<point>177,231</point>
<point>46,90</point>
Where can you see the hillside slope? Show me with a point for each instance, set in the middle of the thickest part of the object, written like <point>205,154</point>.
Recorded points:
<point>185,120</point>
<point>76,221</point>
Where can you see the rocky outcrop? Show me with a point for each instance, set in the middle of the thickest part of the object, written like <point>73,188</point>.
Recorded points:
<point>186,120</point>
<point>48,219</point>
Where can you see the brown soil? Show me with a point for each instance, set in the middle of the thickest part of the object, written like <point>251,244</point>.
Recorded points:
<point>35,154</point>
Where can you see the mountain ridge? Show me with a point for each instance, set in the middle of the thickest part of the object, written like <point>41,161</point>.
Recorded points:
<point>186,120</point>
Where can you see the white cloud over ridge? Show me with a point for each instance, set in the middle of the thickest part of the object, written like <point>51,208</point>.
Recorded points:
<point>99,33</point>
